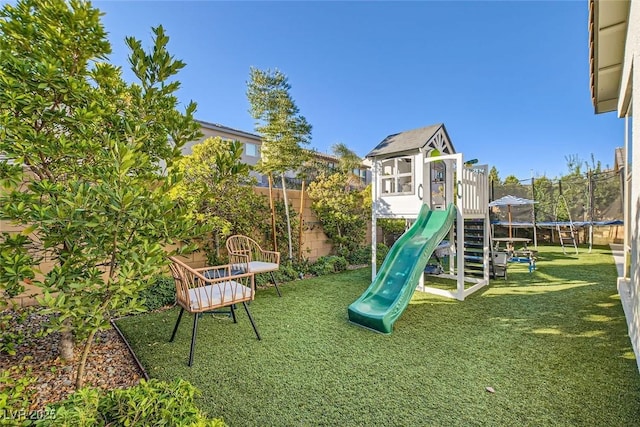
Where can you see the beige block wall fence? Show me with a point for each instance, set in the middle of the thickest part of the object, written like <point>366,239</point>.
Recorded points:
<point>314,242</point>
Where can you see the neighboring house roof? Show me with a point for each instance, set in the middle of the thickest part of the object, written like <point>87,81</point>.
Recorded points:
<point>412,141</point>
<point>336,159</point>
<point>221,128</point>
<point>608,22</point>
<point>323,156</point>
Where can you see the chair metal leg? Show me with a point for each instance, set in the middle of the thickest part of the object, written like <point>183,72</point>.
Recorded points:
<point>255,329</point>
<point>175,328</point>
<point>193,338</point>
<point>233,312</point>
<point>275,283</point>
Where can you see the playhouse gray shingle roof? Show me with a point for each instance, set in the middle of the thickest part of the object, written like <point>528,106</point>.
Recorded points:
<point>405,141</point>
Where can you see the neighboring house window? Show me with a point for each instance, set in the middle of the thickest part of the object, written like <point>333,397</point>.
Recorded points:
<point>251,149</point>
<point>397,176</point>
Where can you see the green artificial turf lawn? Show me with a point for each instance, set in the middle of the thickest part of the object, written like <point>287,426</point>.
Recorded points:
<point>552,344</point>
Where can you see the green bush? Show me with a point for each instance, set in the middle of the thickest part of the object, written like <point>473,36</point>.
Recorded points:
<point>16,394</point>
<point>359,256</point>
<point>362,255</point>
<point>339,264</point>
<point>151,403</point>
<point>328,264</point>
<point>381,252</point>
<point>287,272</point>
<point>160,294</point>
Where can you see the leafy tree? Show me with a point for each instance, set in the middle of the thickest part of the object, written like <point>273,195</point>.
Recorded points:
<point>594,190</point>
<point>606,195</point>
<point>312,167</point>
<point>281,127</point>
<point>544,196</point>
<point>348,162</point>
<point>572,195</point>
<point>90,150</point>
<point>574,164</point>
<point>342,211</point>
<point>512,186</point>
<point>392,228</point>
<point>511,180</point>
<point>218,190</point>
<point>493,176</point>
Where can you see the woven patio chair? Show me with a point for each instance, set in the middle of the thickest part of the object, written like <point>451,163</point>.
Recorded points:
<point>200,290</point>
<point>259,260</point>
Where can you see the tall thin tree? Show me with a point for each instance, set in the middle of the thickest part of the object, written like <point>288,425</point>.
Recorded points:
<point>282,128</point>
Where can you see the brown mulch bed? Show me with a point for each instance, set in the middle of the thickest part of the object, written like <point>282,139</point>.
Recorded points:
<point>110,365</point>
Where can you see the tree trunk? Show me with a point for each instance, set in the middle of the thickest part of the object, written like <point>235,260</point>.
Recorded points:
<point>301,224</point>
<point>286,211</point>
<point>217,244</point>
<point>273,213</point>
<point>83,360</point>
<point>66,344</point>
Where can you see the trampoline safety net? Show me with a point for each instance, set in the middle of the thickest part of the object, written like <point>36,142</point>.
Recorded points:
<point>582,199</point>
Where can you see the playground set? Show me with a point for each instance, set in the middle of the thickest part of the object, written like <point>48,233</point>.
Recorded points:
<point>418,176</point>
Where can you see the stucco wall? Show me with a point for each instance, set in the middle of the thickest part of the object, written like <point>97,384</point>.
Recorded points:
<point>633,46</point>
<point>631,74</point>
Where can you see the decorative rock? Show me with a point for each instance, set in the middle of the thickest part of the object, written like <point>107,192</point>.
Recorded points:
<point>109,365</point>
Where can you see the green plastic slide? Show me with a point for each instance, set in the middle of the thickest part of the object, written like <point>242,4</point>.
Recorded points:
<point>387,297</point>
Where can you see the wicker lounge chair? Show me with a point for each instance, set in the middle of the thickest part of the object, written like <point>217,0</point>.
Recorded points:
<point>206,289</point>
<point>259,260</point>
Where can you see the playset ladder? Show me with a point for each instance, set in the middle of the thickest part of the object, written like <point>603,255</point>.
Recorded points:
<point>474,243</point>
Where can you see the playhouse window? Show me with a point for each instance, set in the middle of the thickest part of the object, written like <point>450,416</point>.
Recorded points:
<point>397,176</point>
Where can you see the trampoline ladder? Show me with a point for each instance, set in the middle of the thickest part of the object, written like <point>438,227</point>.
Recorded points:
<point>567,236</point>
<point>566,232</point>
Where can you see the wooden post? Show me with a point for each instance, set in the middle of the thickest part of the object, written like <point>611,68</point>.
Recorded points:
<point>300,220</point>
<point>273,214</point>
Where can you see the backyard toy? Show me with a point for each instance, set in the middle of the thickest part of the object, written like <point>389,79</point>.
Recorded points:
<point>417,176</point>
<point>564,210</point>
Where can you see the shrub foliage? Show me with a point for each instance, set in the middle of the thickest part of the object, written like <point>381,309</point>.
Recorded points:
<point>152,403</point>
<point>96,157</point>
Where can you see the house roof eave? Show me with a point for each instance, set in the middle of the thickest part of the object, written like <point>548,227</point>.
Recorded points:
<point>608,21</point>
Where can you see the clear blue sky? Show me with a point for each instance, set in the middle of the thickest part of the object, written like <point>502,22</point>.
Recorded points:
<point>509,79</point>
